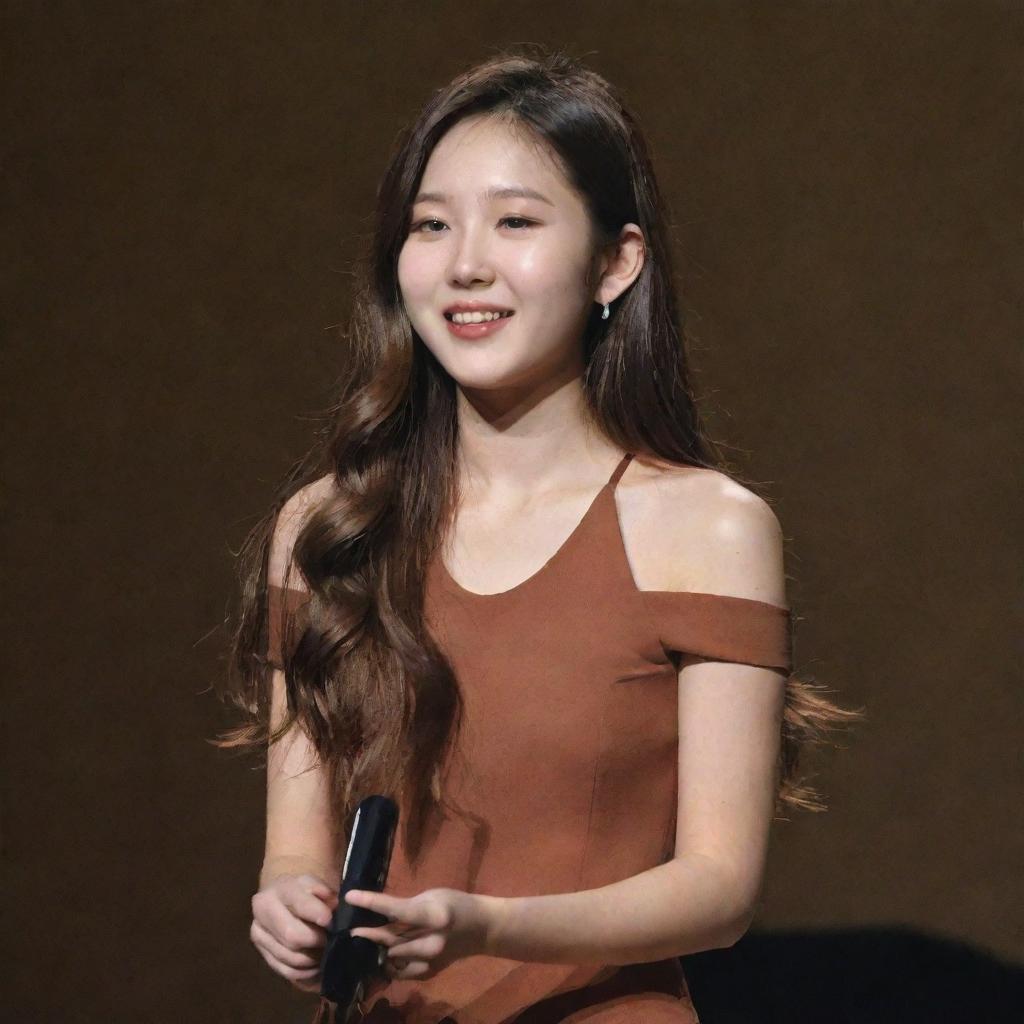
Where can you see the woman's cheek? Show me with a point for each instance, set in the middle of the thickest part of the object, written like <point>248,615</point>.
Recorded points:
<point>413,277</point>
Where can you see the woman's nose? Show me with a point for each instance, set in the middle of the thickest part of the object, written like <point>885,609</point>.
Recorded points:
<point>470,259</point>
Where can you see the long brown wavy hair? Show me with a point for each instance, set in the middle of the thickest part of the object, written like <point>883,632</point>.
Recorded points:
<point>377,698</point>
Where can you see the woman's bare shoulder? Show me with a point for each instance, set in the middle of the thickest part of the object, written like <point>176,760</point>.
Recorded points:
<point>294,514</point>
<point>696,528</point>
<point>665,486</point>
<point>309,497</point>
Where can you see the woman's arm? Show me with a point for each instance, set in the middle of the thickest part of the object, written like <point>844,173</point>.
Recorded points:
<point>298,835</point>
<point>727,541</point>
<point>684,906</point>
<point>298,839</point>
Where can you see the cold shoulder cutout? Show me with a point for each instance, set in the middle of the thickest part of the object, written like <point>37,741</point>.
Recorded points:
<point>721,627</point>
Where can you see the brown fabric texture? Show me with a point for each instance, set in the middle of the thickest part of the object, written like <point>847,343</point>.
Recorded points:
<point>565,774</point>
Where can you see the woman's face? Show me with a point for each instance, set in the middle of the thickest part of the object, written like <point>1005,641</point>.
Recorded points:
<point>530,254</point>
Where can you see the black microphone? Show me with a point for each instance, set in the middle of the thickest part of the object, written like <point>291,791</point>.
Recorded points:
<point>348,961</point>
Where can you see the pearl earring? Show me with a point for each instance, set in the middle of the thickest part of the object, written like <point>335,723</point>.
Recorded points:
<point>604,315</point>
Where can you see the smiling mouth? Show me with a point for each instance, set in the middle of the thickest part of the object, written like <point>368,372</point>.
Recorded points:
<point>501,316</point>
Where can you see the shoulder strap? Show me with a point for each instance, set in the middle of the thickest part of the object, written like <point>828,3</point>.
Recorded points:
<point>620,469</point>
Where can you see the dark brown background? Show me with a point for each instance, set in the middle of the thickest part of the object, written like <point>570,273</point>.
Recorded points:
<point>186,182</point>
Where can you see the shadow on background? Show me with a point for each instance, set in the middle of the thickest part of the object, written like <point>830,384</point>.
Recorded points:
<point>861,976</point>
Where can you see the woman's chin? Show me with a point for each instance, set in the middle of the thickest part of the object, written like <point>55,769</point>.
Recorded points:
<point>485,382</point>
<point>484,370</point>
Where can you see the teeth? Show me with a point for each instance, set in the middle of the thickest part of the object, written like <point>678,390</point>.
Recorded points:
<point>477,318</point>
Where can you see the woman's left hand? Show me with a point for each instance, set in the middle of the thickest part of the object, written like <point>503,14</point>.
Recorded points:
<point>427,932</point>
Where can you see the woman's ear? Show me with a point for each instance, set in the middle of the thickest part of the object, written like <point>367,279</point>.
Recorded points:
<point>620,264</point>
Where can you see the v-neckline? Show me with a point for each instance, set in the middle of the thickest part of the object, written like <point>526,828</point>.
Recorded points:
<point>606,489</point>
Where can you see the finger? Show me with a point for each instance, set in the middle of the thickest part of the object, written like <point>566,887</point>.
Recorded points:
<point>382,936</point>
<point>296,975</point>
<point>415,912</point>
<point>408,969</point>
<point>425,948</point>
<point>387,936</point>
<point>430,913</point>
<point>292,931</point>
<point>407,911</point>
<point>292,957</point>
<point>312,909</point>
<point>318,886</point>
<point>307,907</point>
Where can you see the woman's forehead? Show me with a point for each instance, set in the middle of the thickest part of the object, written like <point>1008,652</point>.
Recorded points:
<point>478,155</point>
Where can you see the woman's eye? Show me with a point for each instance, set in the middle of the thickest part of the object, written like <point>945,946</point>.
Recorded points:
<point>516,223</point>
<point>422,223</point>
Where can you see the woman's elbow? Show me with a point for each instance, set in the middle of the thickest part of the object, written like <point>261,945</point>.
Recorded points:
<point>736,925</point>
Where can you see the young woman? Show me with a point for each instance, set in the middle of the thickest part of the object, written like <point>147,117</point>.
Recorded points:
<point>514,588</point>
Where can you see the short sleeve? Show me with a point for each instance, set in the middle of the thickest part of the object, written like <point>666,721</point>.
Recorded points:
<point>722,628</point>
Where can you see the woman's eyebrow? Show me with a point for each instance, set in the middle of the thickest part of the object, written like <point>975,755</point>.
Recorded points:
<point>504,192</point>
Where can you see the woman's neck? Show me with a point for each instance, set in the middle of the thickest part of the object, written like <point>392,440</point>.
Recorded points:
<point>551,446</point>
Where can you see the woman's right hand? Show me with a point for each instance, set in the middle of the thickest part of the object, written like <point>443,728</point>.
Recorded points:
<point>290,915</point>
